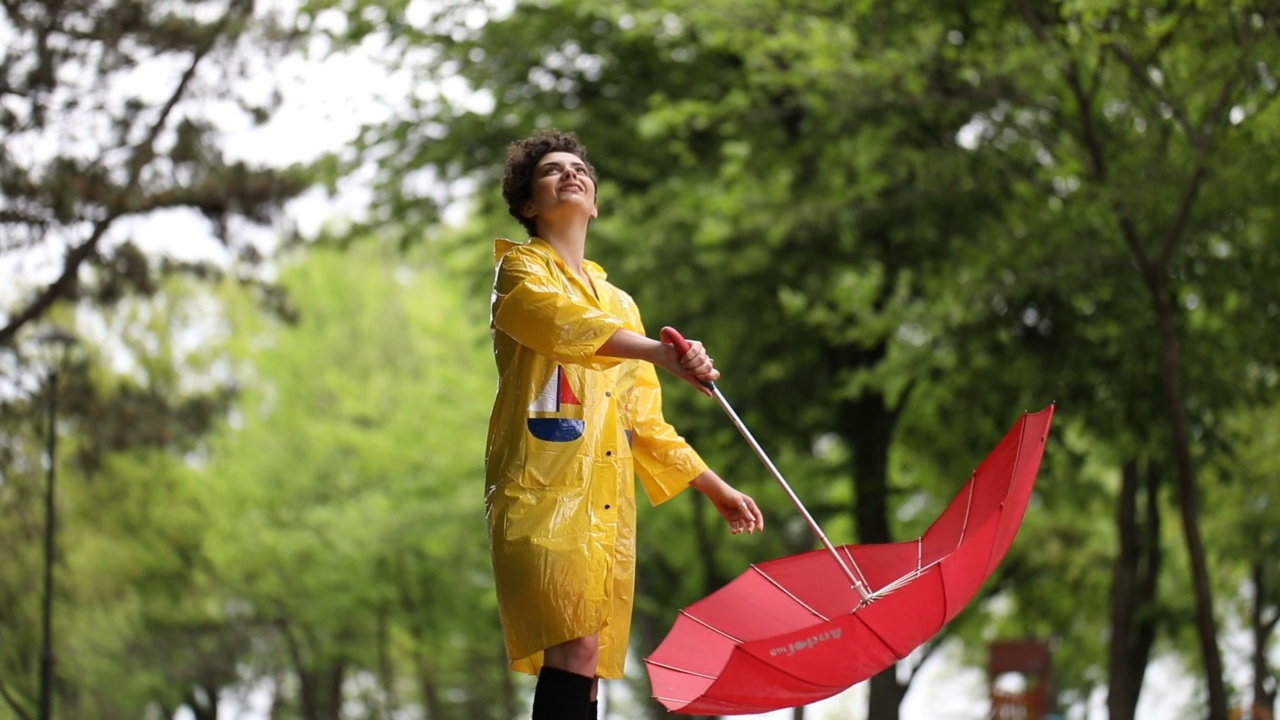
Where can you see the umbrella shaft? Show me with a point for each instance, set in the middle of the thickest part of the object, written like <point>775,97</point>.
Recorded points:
<point>858,584</point>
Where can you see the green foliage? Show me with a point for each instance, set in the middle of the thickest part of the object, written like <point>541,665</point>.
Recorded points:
<point>130,604</point>
<point>317,526</point>
<point>903,223</point>
<point>896,225</point>
<point>342,481</point>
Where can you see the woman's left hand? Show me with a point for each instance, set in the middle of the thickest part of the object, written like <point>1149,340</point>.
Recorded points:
<point>738,508</point>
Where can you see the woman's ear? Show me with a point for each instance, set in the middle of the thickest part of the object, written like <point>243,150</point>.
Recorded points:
<point>595,211</point>
<point>529,210</point>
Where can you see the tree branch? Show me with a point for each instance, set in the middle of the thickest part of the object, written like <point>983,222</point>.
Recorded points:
<point>13,703</point>
<point>1088,129</point>
<point>11,9</point>
<point>1139,73</point>
<point>1269,625</point>
<point>18,217</point>
<point>1184,215</point>
<point>928,648</point>
<point>1095,80</point>
<point>1098,159</point>
<point>1220,108</point>
<point>1034,21</point>
<point>142,155</point>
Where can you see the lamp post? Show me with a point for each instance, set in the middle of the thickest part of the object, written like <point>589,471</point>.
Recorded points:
<point>55,344</point>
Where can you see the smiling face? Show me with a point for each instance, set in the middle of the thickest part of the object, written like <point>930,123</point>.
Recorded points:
<point>561,188</point>
<point>520,173</point>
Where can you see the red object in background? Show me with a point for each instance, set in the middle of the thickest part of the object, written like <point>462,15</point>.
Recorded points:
<point>1030,660</point>
<point>793,631</point>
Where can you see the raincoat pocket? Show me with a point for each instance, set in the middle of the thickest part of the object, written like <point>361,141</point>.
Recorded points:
<point>551,514</point>
<point>556,466</point>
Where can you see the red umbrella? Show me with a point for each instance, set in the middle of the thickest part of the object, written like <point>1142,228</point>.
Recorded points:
<point>800,629</point>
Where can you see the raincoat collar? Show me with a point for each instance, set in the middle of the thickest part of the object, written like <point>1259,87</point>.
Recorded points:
<point>502,246</point>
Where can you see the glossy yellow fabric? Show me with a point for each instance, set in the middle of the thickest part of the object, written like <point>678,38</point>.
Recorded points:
<point>560,489</point>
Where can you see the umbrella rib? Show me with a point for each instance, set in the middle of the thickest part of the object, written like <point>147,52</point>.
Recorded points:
<point>968,508</point>
<point>710,627</point>
<point>1013,476</point>
<point>665,666</point>
<point>863,578</point>
<point>902,581</point>
<point>721,701</point>
<point>1017,453</point>
<point>857,584</point>
<point>789,594</point>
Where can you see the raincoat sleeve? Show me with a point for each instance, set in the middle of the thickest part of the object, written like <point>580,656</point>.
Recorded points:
<point>529,306</point>
<point>663,460</point>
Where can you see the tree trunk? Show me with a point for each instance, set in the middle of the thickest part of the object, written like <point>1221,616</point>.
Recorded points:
<point>868,424</point>
<point>479,705</point>
<point>868,429</point>
<point>321,692</point>
<point>277,707</point>
<point>430,687</point>
<point>386,668</point>
<point>203,702</point>
<point>1188,490</point>
<point>509,690</point>
<point>1133,589</point>
<point>1264,683</point>
<point>319,688</point>
<point>885,700</point>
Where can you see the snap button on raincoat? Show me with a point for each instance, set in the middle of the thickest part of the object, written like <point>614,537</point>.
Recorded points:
<point>568,433</point>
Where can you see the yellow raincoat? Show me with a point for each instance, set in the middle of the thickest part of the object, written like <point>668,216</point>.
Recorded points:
<point>568,431</point>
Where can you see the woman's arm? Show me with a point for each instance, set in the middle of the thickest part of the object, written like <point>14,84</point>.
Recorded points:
<point>694,368</point>
<point>531,307</point>
<point>737,507</point>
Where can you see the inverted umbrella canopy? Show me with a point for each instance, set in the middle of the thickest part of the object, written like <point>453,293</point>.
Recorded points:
<point>796,630</point>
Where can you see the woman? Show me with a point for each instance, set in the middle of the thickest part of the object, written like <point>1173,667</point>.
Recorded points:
<point>577,414</point>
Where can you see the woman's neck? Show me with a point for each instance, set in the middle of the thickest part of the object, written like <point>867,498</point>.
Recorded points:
<point>570,243</point>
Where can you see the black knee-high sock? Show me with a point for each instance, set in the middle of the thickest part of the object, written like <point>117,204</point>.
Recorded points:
<point>595,710</point>
<point>561,695</point>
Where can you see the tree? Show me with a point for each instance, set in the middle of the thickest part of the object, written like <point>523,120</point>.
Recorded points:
<point>349,484</point>
<point>104,120</point>
<point>1243,530</point>
<point>131,577</point>
<point>739,167</point>
<point>1150,130</point>
<point>825,171</point>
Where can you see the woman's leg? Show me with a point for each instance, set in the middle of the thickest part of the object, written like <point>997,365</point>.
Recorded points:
<point>567,683</point>
<point>579,656</point>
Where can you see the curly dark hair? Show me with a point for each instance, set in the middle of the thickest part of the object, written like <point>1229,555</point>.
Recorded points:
<point>522,160</point>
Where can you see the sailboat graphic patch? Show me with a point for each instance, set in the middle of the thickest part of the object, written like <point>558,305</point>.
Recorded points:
<point>556,412</point>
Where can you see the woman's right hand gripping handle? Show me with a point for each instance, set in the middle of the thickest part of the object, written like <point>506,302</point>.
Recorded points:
<point>689,361</point>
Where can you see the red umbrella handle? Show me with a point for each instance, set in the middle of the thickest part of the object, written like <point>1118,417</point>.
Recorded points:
<point>673,337</point>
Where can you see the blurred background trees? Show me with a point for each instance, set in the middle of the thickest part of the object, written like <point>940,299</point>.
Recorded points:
<point>904,224</point>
